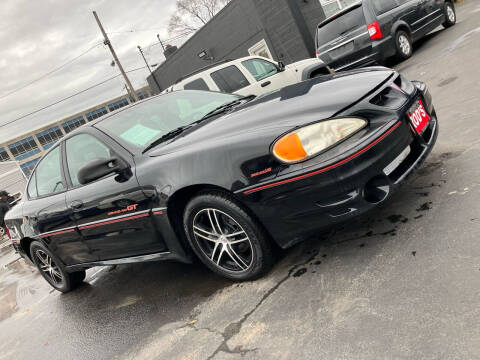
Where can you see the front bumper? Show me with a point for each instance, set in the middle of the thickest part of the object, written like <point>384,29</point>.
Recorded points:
<point>295,209</point>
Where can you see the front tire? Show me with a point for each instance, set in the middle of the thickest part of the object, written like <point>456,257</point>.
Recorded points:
<point>404,45</point>
<point>53,270</point>
<point>226,238</point>
<point>450,15</point>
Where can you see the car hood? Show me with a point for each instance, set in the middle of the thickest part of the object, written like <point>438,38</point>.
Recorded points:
<point>282,110</point>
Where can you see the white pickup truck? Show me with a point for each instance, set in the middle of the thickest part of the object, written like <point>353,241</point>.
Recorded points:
<point>252,75</point>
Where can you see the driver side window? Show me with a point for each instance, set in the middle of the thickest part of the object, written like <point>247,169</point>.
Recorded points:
<point>260,69</point>
<point>82,149</point>
<point>49,174</point>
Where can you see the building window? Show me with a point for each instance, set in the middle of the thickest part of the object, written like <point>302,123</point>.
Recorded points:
<point>49,137</point>
<point>4,155</point>
<point>143,95</point>
<point>23,149</point>
<point>331,7</point>
<point>28,167</point>
<point>71,125</point>
<point>95,114</point>
<point>260,49</point>
<point>118,105</point>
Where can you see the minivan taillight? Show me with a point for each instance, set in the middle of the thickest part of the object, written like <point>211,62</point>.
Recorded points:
<point>374,31</point>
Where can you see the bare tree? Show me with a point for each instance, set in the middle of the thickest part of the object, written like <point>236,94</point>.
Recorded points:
<point>191,15</point>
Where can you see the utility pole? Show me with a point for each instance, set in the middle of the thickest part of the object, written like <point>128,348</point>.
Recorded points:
<point>149,69</point>
<point>128,93</point>
<point>109,44</point>
<point>161,43</point>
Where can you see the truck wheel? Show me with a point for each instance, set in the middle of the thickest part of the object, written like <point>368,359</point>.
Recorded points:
<point>226,238</point>
<point>450,15</point>
<point>52,269</point>
<point>403,43</point>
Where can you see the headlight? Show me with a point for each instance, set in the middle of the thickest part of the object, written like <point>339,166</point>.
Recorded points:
<point>311,140</point>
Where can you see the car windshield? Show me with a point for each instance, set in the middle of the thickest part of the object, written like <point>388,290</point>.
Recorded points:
<point>143,124</point>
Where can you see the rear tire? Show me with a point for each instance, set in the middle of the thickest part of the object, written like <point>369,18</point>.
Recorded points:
<point>226,238</point>
<point>404,45</point>
<point>450,15</point>
<point>53,270</point>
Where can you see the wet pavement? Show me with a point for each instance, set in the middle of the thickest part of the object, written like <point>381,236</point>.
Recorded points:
<point>401,282</point>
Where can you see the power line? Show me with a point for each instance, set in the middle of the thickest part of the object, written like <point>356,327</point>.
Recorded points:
<point>178,37</point>
<point>131,31</point>
<point>68,97</point>
<point>50,72</point>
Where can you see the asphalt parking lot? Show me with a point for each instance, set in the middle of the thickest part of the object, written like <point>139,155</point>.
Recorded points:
<point>402,282</point>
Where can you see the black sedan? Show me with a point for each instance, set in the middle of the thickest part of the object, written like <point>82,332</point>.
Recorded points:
<point>221,177</point>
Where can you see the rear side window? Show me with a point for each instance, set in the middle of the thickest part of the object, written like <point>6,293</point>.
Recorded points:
<point>382,6</point>
<point>49,174</point>
<point>32,187</point>
<point>341,25</point>
<point>229,79</point>
<point>198,84</point>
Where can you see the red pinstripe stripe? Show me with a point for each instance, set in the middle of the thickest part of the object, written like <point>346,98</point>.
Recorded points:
<point>113,221</point>
<point>158,213</point>
<point>328,167</point>
<point>57,233</point>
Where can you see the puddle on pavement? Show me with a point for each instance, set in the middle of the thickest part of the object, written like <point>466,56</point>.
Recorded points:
<point>425,207</point>
<point>20,288</point>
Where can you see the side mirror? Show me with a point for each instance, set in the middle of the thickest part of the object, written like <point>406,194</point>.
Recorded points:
<point>281,66</point>
<point>98,168</point>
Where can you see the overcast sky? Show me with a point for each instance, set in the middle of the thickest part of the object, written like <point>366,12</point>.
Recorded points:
<point>38,36</point>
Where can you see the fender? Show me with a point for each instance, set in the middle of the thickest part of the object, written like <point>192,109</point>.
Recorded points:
<point>324,70</point>
<point>398,24</point>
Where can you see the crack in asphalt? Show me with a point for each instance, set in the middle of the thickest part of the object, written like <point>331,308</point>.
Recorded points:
<point>234,328</point>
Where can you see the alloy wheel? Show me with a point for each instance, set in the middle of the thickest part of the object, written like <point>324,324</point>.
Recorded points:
<point>49,268</point>
<point>404,43</point>
<point>223,240</point>
<point>450,14</point>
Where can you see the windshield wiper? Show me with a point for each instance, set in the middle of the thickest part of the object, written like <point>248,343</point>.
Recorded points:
<point>219,110</point>
<point>168,136</point>
<point>227,107</point>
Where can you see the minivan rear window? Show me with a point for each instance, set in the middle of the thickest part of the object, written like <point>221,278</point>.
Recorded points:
<point>341,24</point>
<point>382,6</point>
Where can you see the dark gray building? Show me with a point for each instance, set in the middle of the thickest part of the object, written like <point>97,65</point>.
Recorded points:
<point>281,29</point>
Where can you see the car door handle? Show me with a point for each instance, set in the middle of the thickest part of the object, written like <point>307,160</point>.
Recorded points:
<point>265,84</point>
<point>76,205</point>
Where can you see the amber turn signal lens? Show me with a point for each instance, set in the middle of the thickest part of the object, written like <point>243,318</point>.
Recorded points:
<point>290,148</point>
<point>312,139</point>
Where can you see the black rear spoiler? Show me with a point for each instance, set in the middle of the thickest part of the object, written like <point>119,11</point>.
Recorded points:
<point>343,12</point>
